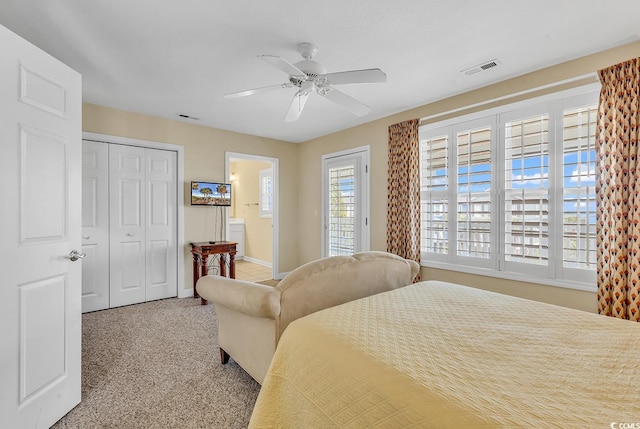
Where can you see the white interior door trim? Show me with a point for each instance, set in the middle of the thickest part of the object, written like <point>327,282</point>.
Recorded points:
<point>276,204</point>
<point>105,138</point>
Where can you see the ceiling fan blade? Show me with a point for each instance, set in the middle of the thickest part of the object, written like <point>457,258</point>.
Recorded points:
<point>356,76</point>
<point>282,64</point>
<point>297,104</point>
<point>257,90</point>
<point>346,101</point>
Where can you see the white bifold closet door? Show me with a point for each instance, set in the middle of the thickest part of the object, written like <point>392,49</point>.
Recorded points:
<point>129,230</point>
<point>95,226</point>
<point>142,223</point>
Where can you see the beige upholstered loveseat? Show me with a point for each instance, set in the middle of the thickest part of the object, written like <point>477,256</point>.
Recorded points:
<point>252,317</point>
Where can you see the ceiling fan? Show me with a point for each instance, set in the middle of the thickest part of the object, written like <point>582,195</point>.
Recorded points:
<point>310,76</point>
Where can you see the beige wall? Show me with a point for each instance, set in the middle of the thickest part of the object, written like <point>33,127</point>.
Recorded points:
<point>258,241</point>
<point>204,153</point>
<point>375,134</point>
<point>581,300</point>
<point>300,168</point>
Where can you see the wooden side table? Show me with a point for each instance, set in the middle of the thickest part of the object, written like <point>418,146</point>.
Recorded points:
<point>201,252</point>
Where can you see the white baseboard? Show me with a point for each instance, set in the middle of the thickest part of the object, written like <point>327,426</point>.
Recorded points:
<point>280,276</point>
<point>257,261</point>
<point>185,293</point>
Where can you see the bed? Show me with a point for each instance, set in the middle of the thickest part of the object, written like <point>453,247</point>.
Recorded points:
<point>441,355</point>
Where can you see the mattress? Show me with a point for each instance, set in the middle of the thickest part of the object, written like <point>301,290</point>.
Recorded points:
<point>440,355</point>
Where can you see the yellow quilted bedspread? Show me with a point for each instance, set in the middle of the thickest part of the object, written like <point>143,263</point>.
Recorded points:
<point>439,355</point>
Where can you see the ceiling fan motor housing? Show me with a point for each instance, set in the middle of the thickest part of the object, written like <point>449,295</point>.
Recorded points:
<point>311,68</point>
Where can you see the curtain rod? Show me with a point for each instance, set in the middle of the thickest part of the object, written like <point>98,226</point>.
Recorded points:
<point>512,95</point>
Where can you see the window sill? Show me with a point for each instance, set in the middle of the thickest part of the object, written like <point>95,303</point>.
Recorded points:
<point>507,275</point>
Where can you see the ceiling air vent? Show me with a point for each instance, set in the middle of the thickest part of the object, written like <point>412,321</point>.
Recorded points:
<point>484,66</point>
<point>183,116</point>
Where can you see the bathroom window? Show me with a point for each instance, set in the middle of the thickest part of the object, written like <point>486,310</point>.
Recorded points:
<point>266,193</point>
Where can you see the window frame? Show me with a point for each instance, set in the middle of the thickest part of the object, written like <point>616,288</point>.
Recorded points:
<point>446,193</point>
<point>265,212</point>
<point>491,262</point>
<point>554,273</point>
<point>568,273</point>
<point>533,270</point>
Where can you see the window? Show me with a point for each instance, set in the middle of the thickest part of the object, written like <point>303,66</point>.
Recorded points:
<point>511,192</point>
<point>434,184</point>
<point>266,193</point>
<point>473,192</point>
<point>341,210</point>
<point>578,198</point>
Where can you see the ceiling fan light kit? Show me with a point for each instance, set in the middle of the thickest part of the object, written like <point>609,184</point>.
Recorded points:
<point>310,76</point>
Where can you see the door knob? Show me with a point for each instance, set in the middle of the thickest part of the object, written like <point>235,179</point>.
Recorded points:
<point>75,255</point>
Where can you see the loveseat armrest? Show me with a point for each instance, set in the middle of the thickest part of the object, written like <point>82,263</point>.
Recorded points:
<point>250,298</point>
<point>415,268</point>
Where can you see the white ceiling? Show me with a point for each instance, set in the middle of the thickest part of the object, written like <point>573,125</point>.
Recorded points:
<point>169,57</point>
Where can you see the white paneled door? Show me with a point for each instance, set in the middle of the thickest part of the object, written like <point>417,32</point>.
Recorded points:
<point>127,231</point>
<point>95,226</point>
<point>40,228</point>
<point>143,253</point>
<point>345,202</point>
<point>161,209</point>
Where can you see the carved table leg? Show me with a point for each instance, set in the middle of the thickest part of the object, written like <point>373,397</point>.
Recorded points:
<point>203,272</point>
<point>232,265</point>
<point>223,266</point>
<point>196,274</point>
<point>224,356</point>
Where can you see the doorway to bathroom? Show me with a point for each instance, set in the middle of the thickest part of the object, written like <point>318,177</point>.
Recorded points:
<point>253,215</point>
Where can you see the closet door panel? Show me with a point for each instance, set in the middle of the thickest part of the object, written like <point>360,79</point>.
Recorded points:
<point>161,233</point>
<point>128,266</point>
<point>95,226</point>
<point>127,213</point>
<point>158,262</point>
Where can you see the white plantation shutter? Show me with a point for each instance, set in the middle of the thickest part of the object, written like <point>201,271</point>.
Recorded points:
<point>434,200</point>
<point>474,192</point>
<point>526,190</point>
<point>266,193</point>
<point>341,211</point>
<point>579,201</point>
<point>511,192</point>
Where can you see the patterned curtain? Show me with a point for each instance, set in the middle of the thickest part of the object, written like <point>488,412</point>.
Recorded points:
<point>618,192</point>
<point>403,191</point>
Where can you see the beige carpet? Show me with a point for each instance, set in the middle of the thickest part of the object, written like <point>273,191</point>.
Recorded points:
<point>157,365</point>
